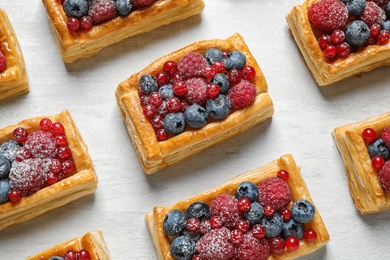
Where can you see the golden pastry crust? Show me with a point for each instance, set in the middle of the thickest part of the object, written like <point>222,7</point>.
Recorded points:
<point>80,184</point>
<point>363,180</point>
<point>91,241</point>
<point>298,188</point>
<point>156,155</point>
<point>13,80</point>
<point>78,45</point>
<point>326,72</point>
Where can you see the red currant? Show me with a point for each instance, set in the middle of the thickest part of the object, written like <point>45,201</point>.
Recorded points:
<point>55,166</point>
<point>175,77</point>
<point>64,153</point>
<point>242,225</point>
<point>283,174</point>
<point>14,196</point>
<point>292,243</point>
<point>244,204</point>
<point>205,226</point>
<point>157,122</point>
<point>375,29</point>
<point>377,162</point>
<point>179,88</point>
<point>212,90</point>
<point>196,257</point>
<point>162,135</point>
<point>155,99</point>
<point>236,237</point>
<point>330,51</point>
<point>57,129</point>
<point>86,22</point>
<point>61,140</point>
<point>277,244</point>
<point>22,153</point>
<point>269,210</point>
<point>73,24</point>
<point>193,224</point>
<point>45,124</point>
<point>248,73</point>
<point>258,231</point>
<point>184,105</point>
<point>209,72</point>
<point>70,255</point>
<point>20,134</point>
<point>234,76</point>
<point>218,66</point>
<point>343,50</point>
<point>369,135</point>
<point>51,179</point>
<point>149,111</point>
<point>68,167</point>
<point>310,235</point>
<point>383,37</point>
<point>84,255</point>
<point>173,104</point>
<point>337,37</point>
<point>324,41</point>
<point>162,79</point>
<point>286,214</point>
<point>216,222</point>
<point>144,100</point>
<point>170,67</point>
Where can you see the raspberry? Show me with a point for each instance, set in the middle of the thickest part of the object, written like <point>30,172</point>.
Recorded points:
<point>3,62</point>
<point>241,94</point>
<point>384,176</point>
<point>196,90</point>
<point>29,175</point>
<point>192,65</point>
<point>225,206</point>
<point>41,144</point>
<point>141,3</point>
<point>215,245</point>
<point>328,15</point>
<point>101,11</point>
<point>372,14</point>
<point>253,249</point>
<point>386,136</point>
<point>275,192</point>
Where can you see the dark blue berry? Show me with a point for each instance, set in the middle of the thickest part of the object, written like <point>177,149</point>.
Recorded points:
<point>273,225</point>
<point>174,123</point>
<point>378,147</point>
<point>148,84</point>
<point>219,107</point>
<point>234,60</point>
<point>199,210</point>
<point>183,248</point>
<point>196,116</point>
<point>302,211</point>
<point>193,235</point>
<point>386,25</point>
<point>355,7</point>
<point>387,10</point>
<point>293,228</point>
<point>4,190</point>
<point>166,91</point>
<point>357,33</point>
<point>8,150</point>
<point>5,167</point>
<point>222,81</point>
<point>248,190</point>
<point>123,7</point>
<point>212,55</point>
<point>174,222</point>
<point>254,215</point>
<point>56,258</point>
<point>76,8</point>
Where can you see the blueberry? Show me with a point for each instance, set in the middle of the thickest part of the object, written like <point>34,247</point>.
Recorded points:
<point>4,190</point>
<point>386,25</point>
<point>357,33</point>
<point>222,81</point>
<point>248,190</point>
<point>302,211</point>
<point>123,7</point>
<point>174,222</point>
<point>174,123</point>
<point>193,235</point>
<point>76,8</point>
<point>254,215</point>
<point>199,210</point>
<point>293,228</point>
<point>234,60</point>
<point>5,167</point>
<point>212,55</point>
<point>166,91</point>
<point>148,84</point>
<point>355,7</point>
<point>183,248</point>
<point>219,107</point>
<point>8,150</point>
<point>56,258</point>
<point>378,147</point>
<point>273,225</point>
<point>196,116</point>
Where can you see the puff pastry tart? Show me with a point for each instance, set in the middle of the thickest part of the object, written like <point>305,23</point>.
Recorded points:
<point>366,54</point>
<point>165,223</point>
<point>92,242</point>
<point>84,43</point>
<point>13,80</point>
<point>155,154</point>
<point>363,179</point>
<point>51,152</point>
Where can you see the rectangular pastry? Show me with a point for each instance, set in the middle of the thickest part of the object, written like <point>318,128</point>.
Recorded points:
<point>63,171</point>
<point>92,242</point>
<point>154,154</point>
<point>364,55</point>
<point>280,172</point>
<point>78,44</point>
<point>363,179</point>
<point>13,79</point>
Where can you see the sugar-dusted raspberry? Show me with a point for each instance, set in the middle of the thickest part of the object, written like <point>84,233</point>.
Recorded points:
<point>28,176</point>
<point>41,144</point>
<point>191,65</point>
<point>275,192</point>
<point>373,14</point>
<point>226,207</point>
<point>384,176</point>
<point>141,3</point>
<point>196,90</point>
<point>101,11</point>
<point>386,136</point>
<point>242,94</point>
<point>328,15</point>
<point>252,249</point>
<point>3,62</point>
<point>215,245</point>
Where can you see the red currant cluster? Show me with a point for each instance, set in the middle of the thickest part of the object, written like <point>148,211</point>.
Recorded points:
<point>334,44</point>
<point>83,254</point>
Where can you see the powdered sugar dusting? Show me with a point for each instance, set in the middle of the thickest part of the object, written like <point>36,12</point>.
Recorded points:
<point>215,245</point>
<point>225,206</point>
<point>41,144</point>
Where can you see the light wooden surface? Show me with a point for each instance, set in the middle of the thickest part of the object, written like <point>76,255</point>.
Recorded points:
<point>304,118</point>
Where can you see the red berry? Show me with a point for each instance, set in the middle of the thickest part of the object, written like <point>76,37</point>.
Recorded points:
<point>383,37</point>
<point>68,167</point>
<point>86,22</point>
<point>236,237</point>
<point>61,140</point>
<point>328,15</point>
<point>324,41</point>
<point>22,153</point>
<point>55,166</point>
<point>73,24</point>
<point>180,88</point>
<point>191,65</point>
<point>84,255</point>
<point>375,29</point>
<point>14,196</point>
<point>205,226</point>
<point>269,210</point>
<point>170,67</point>
<point>196,90</point>
<point>234,76</point>
<point>242,225</point>
<point>337,36</point>
<point>218,66</point>
<point>162,79</point>
<point>241,94</point>
<point>45,124</point>
<point>310,235</point>
<point>372,14</point>
<point>286,214</point>
<point>149,111</point>
<point>212,90</point>
<point>196,257</point>
<point>57,129</point>
<point>162,135</point>
<point>283,174</point>
<point>252,248</point>
<point>173,104</point>
<point>20,134</point>
<point>225,206</point>
<point>343,50</point>
<point>377,162</point>
<point>209,72</point>
<point>102,11</point>
<point>258,231</point>
<point>215,245</point>
<point>141,3</point>
<point>248,73</point>
<point>244,204</point>
<point>274,191</point>
<point>157,122</point>
<point>64,153</point>
<point>51,179</point>
<point>216,222</point>
<point>155,99</point>
<point>41,144</point>
<point>70,255</point>
<point>193,224</point>
<point>3,62</point>
<point>386,136</point>
<point>175,77</point>
<point>144,100</point>
<point>384,176</point>
<point>277,244</point>
<point>369,135</point>
<point>292,243</point>
<point>330,51</point>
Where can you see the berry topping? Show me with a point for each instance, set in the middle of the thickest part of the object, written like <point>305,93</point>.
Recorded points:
<point>302,211</point>
<point>328,15</point>
<point>5,189</point>
<point>57,129</point>
<point>386,136</point>
<point>378,147</point>
<point>235,60</point>
<point>310,235</point>
<point>196,90</point>
<point>255,214</point>
<point>219,107</point>
<point>45,124</point>
<point>86,22</point>
<point>357,33</point>
<point>292,244</point>
<point>225,206</point>
<point>236,237</point>
<point>3,62</point>
<point>269,210</point>
<point>241,94</point>
<point>258,231</point>
<point>369,135</point>
<point>273,225</point>
<point>174,123</point>
<point>148,84</point>
<point>183,247</point>
<point>174,222</point>
<point>196,116</point>
<point>193,224</point>
<point>283,174</point>
<point>222,81</point>
<point>166,91</point>
<point>274,191</point>
<point>247,190</point>
<point>123,7</point>
<point>142,3</point>
<point>20,134</point>
<point>41,144</point>
<point>253,249</point>
<point>75,8</point>
<point>384,176</point>
<point>191,65</point>
<point>244,204</point>
<point>8,150</point>
<point>5,167</point>
<point>101,10</point>
<point>373,14</point>
<point>355,7</point>
<point>73,24</point>
<point>215,245</point>
<point>14,196</point>
<point>277,244</point>
<point>377,162</point>
<point>213,55</point>
<point>293,228</point>
<point>170,67</point>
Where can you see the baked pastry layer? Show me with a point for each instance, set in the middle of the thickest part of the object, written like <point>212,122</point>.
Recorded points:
<point>155,155</point>
<point>298,188</point>
<point>363,180</point>
<point>326,72</point>
<point>78,45</point>
<point>82,183</point>
<point>91,241</point>
<point>13,80</point>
